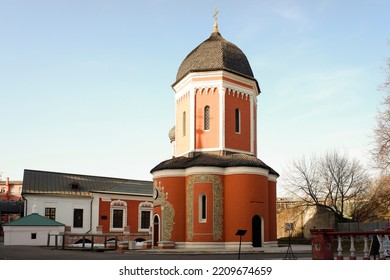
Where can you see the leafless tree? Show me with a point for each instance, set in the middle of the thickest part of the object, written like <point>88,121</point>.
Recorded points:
<point>381,150</point>
<point>375,206</point>
<point>332,181</point>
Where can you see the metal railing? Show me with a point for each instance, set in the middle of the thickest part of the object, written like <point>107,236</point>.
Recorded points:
<point>323,245</point>
<point>62,240</point>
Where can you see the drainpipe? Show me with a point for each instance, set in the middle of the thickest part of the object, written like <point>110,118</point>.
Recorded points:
<point>90,216</point>
<point>25,205</point>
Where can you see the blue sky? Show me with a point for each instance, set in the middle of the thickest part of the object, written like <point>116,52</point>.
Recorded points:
<point>85,86</point>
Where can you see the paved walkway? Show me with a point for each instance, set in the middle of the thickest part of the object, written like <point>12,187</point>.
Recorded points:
<point>45,253</point>
<point>269,249</point>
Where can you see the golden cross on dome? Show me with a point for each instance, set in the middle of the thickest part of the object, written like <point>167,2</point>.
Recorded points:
<point>215,16</point>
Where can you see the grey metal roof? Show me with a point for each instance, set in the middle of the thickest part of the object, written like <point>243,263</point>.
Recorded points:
<point>215,53</point>
<point>231,160</point>
<point>47,182</point>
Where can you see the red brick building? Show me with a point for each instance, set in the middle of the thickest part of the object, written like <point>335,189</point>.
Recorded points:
<point>11,204</point>
<point>90,204</point>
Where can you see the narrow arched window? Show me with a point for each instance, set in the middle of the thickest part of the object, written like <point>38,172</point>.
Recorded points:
<point>207,118</point>
<point>202,208</point>
<point>238,120</point>
<point>184,123</point>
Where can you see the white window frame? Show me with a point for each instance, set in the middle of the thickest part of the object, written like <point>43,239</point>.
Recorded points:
<point>118,205</point>
<point>144,206</point>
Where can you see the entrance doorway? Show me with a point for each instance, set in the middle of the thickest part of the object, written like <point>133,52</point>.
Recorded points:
<point>156,230</point>
<point>256,231</point>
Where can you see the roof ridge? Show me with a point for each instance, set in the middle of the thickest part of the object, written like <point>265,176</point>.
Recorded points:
<point>82,175</point>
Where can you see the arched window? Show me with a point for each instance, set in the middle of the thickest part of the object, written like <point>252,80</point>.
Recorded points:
<point>238,120</point>
<point>184,123</point>
<point>207,118</point>
<point>202,208</point>
<point>118,215</point>
<point>144,216</point>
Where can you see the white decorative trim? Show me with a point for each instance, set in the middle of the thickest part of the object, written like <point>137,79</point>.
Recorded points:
<point>187,81</point>
<point>217,150</point>
<point>118,205</point>
<point>192,119</point>
<point>247,170</point>
<point>213,170</point>
<point>224,245</point>
<point>222,119</point>
<point>167,173</point>
<point>144,206</point>
<point>213,245</point>
<point>272,178</point>
<point>252,125</point>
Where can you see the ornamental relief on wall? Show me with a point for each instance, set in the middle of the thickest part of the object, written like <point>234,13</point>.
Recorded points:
<point>167,211</point>
<point>217,204</point>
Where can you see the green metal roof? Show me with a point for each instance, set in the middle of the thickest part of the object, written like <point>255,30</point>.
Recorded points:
<point>34,220</point>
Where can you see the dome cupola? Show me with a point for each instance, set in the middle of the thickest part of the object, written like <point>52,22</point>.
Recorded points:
<point>213,54</point>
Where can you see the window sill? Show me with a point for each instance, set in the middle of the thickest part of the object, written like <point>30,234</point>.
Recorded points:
<point>116,229</point>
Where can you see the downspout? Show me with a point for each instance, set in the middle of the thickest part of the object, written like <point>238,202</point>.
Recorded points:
<point>90,215</point>
<point>25,205</point>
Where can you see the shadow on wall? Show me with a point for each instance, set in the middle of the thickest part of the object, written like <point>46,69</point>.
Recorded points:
<point>304,218</point>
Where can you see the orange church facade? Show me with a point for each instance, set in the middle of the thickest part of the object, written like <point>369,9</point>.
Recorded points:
<point>214,184</point>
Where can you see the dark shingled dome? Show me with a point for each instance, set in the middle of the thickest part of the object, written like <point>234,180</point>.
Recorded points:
<point>232,160</point>
<point>215,54</point>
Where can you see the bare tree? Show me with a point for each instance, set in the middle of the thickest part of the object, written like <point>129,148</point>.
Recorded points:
<point>375,206</point>
<point>332,181</point>
<point>381,150</point>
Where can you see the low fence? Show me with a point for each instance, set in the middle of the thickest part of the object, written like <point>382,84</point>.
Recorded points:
<point>362,226</point>
<point>106,241</point>
<point>323,243</point>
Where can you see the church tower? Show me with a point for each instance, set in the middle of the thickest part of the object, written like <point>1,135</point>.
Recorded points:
<point>214,184</point>
<point>216,99</point>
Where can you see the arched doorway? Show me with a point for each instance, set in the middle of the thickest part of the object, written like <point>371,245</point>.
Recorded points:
<point>256,231</point>
<point>156,230</point>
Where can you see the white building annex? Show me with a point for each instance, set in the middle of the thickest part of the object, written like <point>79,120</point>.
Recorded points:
<point>84,203</point>
<point>32,230</point>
